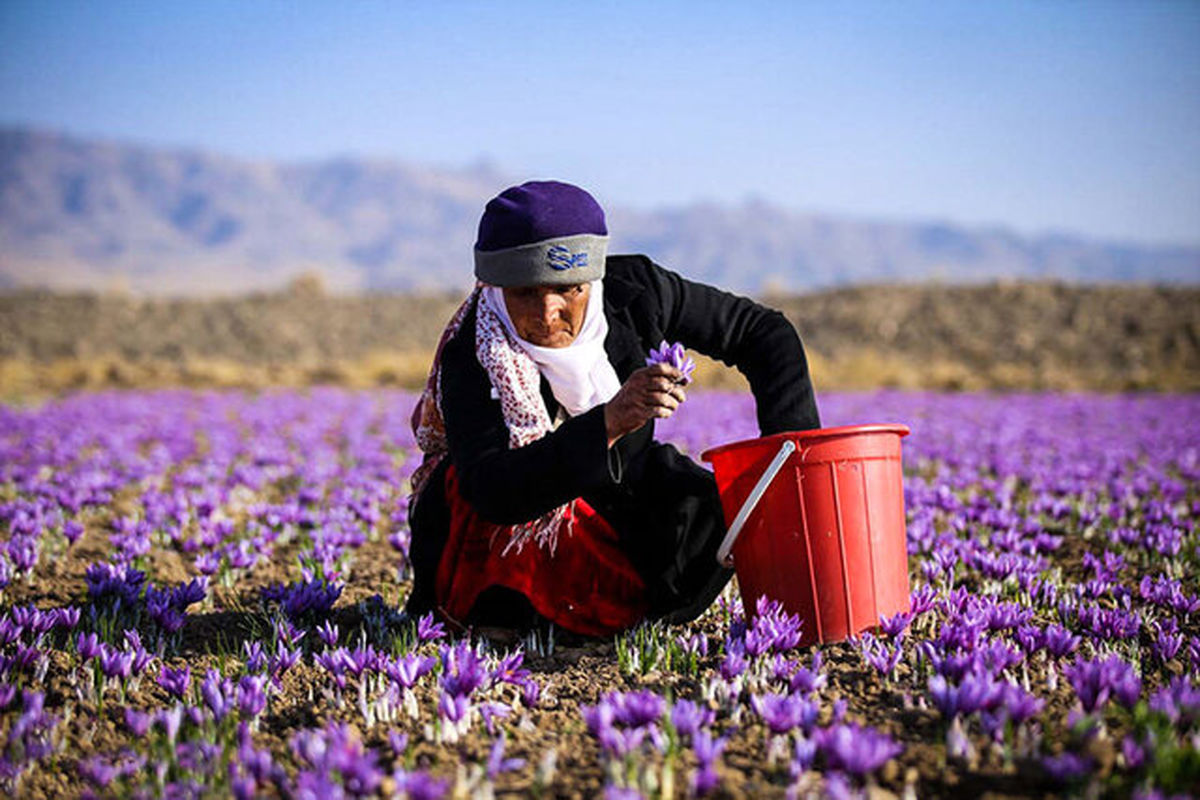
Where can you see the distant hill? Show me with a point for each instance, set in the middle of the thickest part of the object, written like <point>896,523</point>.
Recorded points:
<point>83,214</point>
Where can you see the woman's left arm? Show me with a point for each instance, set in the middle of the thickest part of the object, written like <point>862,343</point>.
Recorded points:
<point>758,341</point>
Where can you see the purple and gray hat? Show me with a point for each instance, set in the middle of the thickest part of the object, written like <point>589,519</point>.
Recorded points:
<point>541,233</point>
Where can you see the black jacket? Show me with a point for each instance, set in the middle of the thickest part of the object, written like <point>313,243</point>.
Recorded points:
<point>645,304</point>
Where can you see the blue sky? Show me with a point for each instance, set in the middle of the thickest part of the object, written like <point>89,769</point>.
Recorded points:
<point>1068,116</point>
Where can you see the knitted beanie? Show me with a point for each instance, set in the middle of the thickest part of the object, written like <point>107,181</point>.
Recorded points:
<point>541,233</point>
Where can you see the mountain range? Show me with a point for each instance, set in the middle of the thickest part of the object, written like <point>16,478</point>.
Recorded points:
<point>86,214</point>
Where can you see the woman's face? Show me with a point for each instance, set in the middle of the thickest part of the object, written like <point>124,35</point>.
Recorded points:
<point>547,316</point>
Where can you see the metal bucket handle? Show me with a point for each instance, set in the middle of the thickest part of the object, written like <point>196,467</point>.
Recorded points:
<point>760,488</point>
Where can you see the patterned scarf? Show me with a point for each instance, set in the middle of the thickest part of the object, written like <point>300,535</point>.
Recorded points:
<point>516,379</point>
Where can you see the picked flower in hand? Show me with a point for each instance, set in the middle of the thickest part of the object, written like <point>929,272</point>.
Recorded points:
<point>674,355</point>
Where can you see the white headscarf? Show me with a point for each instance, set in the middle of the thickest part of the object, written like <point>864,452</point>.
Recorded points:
<point>580,374</point>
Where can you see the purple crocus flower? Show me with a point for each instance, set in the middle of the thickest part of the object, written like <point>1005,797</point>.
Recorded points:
<point>303,600</point>
<point>895,625</point>
<point>1126,687</point>
<point>428,629</point>
<point>599,717</point>
<point>676,356</point>
<point>490,712</point>
<point>1017,704</point>
<point>110,582</point>
<point>284,659</point>
<point>804,753</point>
<point>335,752</point>
<point>419,785</point>
<point>97,770</point>
<point>255,658</point>
<point>328,633</point>
<point>784,713</point>
<point>24,659</point>
<point>497,763</point>
<point>251,695</point>
<point>175,681</point>
<point>207,563</point>
<point>361,660</point>
<point>883,658</point>
<point>10,631</point>
<point>1029,637</point>
<point>856,750</point>
<point>217,693</point>
<point>88,646</point>
<point>334,662</point>
<point>408,669</point>
<point>620,742</point>
<point>138,722</point>
<point>171,720</point>
<point>66,618</point>
<point>463,670</point>
<point>188,593</point>
<point>733,665</point>
<point>922,599</point>
<point>288,633</point>
<point>531,693</point>
<point>614,792</point>
<point>508,669</point>
<point>1179,701</point>
<point>1059,641</point>
<point>454,708</point>
<point>1167,645</point>
<point>688,718</point>
<point>974,693</point>
<point>140,658</point>
<point>694,645</point>
<point>1067,766</point>
<point>1094,680</point>
<point>72,529</point>
<point>637,709</point>
<point>707,750</point>
<point>23,551</point>
<point>1133,753</point>
<point>115,663</point>
<point>808,680</point>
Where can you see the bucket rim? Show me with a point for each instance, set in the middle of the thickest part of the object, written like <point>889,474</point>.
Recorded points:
<point>807,436</point>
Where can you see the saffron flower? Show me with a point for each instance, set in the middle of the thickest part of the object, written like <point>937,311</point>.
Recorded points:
<point>175,681</point>
<point>785,713</point>
<point>674,355</point>
<point>497,763</point>
<point>707,750</point>
<point>688,718</point>
<point>1096,679</point>
<point>856,750</point>
<point>1067,766</point>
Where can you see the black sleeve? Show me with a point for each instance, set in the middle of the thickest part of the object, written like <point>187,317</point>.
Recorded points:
<point>508,486</point>
<point>758,341</point>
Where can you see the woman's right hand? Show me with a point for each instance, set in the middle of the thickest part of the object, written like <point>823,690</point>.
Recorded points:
<point>651,392</point>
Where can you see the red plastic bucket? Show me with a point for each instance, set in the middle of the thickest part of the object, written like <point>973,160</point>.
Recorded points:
<point>822,528</point>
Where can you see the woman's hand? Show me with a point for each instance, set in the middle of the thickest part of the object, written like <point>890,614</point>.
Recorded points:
<point>651,392</point>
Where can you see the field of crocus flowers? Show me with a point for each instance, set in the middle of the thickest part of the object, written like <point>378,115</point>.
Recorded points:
<point>200,596</point>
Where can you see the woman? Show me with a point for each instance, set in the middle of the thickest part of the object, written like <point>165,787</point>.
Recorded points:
<point>543,492</point>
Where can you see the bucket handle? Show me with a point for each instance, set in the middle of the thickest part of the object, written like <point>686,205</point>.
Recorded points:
<point>760,488</point>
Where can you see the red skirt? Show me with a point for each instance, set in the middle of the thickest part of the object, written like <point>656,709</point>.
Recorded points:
<point>588,586</point>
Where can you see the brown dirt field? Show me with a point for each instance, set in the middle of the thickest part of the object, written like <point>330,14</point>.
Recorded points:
<point>996,336</point>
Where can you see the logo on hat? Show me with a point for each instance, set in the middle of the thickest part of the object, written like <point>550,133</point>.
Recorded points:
<point>561,258</point>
